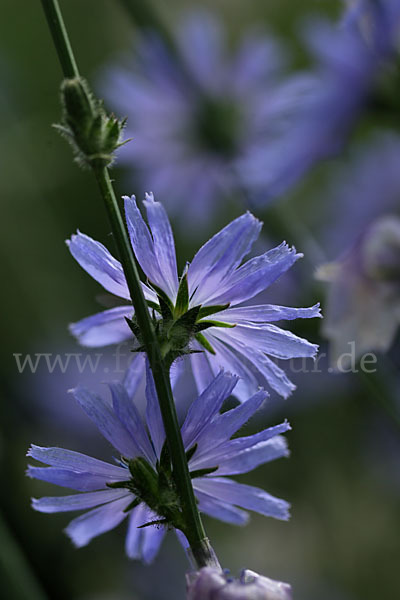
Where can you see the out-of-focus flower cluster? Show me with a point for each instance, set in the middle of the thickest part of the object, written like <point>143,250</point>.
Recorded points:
<point>240,125</point>
<point>355,60</point>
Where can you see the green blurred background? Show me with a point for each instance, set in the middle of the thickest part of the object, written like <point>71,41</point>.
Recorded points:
<point>342,478</point>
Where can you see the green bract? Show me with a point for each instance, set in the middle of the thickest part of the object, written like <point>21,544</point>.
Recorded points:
<point>156,487</point>
<point>177,325</point>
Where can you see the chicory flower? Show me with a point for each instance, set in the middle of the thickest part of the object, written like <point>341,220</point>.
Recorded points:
<point>139,485</point>
<point>202,312</point>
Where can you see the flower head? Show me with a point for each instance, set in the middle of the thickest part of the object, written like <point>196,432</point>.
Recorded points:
<point>220,115</point>
<point>140,485</point>
<point>200,313</point>
<point>213,584</point>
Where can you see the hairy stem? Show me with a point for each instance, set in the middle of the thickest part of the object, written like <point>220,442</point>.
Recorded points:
<point>60,38</point>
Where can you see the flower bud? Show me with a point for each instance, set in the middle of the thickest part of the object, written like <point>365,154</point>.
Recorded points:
<point>93,134</point>
<point>213,584</point>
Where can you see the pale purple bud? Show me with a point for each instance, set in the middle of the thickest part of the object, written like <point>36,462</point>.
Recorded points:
<point>212,584</point>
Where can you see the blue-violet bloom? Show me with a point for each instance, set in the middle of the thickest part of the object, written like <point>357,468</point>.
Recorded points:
<point>353,58</point>
<point>221,115</point>
<point>240,339</point>
<point>115,491</point>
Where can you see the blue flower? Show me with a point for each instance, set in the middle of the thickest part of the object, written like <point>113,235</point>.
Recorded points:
<point>113,491</point>
<point>238,338</point>
<point>352,60</point>
<point>220,115</point>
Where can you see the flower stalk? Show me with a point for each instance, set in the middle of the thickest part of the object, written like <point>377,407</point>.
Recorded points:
<point>194,531</point>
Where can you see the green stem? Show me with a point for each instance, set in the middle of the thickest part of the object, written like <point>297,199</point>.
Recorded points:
<point>60,38</point>
<point>195,533</point>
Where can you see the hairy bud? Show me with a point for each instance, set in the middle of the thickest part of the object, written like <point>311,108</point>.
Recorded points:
<point>93,134</point>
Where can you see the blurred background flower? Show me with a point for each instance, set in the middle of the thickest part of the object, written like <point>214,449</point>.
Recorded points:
<point>363,306</point>
<point>362,238</point>
<point>203,116</point>
<point>355,74</point>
